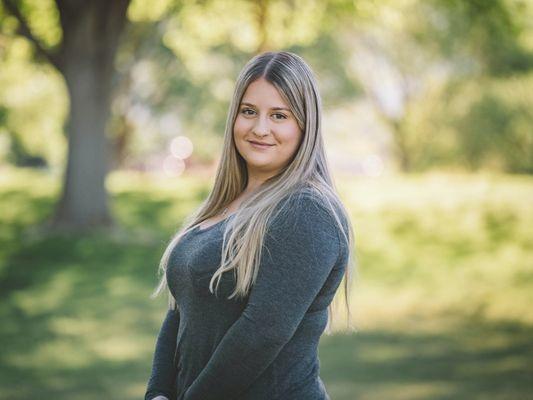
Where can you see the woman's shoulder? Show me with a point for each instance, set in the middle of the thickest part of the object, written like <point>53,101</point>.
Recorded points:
<point>308,200</point>
<point>307,205</point>
<point>307,218</point>
<point>300,201</point>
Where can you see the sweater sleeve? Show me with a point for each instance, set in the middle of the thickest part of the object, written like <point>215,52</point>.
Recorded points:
<point>163,376</point>
<point>300,249</point>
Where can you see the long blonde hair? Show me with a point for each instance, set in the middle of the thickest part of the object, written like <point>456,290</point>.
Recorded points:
<point>243,237</point>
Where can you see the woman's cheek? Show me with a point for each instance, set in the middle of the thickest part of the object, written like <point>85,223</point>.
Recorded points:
<point>240,126</point>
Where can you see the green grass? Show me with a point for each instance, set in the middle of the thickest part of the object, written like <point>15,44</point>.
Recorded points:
<point>442,297</point>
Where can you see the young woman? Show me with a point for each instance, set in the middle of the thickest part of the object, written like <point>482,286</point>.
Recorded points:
<point>251,275</point>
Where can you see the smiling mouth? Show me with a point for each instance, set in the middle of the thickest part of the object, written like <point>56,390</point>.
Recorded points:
<point>260,144</point>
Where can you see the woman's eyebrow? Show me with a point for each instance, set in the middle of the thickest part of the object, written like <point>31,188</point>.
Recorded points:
<point>273,108</point>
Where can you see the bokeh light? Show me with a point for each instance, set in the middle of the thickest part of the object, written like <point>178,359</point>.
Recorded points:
<point>181,147</point>
<point>173,166</point>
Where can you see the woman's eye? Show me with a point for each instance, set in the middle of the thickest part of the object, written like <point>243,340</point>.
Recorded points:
<point>244,110</point>
<point>249,111</point>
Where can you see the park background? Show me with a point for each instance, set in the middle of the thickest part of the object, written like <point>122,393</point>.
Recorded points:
<point>111,123</point>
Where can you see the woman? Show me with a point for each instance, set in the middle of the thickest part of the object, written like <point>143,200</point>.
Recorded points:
<point>252,274</point>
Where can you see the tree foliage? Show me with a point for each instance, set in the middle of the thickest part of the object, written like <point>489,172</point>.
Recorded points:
<point>450,78</point>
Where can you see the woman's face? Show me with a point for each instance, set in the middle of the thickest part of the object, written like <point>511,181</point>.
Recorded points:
<point>264,117</point>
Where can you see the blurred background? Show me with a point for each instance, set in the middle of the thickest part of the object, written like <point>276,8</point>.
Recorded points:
<point>112,116</point>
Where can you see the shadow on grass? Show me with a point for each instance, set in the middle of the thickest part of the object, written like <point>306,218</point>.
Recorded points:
<point>77,321</point>
<point>473,360</point>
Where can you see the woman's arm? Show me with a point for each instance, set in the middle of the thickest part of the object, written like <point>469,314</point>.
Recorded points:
<point>162,380</point>
<point>301,249</point>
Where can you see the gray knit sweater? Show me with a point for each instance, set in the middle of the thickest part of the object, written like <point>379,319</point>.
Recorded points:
<point>263,347</point>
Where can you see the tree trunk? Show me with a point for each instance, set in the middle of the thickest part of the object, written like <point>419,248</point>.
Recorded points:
<point>91,33</point>
<point>401,147</point>
<point>84,198</point>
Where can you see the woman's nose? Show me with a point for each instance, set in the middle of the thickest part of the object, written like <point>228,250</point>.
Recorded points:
<point>261,126</point>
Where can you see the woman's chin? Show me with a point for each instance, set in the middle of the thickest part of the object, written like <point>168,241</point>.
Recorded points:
<point>258,160</point>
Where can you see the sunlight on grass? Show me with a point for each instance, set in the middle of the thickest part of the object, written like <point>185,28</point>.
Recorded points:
<point>117,348</point>
<point>60,353</point>
<point>438,244</point>
<point>49,295</point>
<point>411,391</point>
<point>74,326</point>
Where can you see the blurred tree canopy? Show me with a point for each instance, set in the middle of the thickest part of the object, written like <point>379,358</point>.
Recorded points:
<point>449,79</point>
<point>415,58</point>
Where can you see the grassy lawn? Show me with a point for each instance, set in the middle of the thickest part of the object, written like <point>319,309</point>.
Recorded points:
<point>442,297</point>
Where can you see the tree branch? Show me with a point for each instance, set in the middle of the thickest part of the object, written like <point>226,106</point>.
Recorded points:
<point>25,31</point>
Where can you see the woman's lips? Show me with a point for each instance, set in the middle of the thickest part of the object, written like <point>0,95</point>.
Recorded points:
<point>260,146</point>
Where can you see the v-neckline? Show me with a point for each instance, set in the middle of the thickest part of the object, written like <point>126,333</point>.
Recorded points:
<point>199,229</point>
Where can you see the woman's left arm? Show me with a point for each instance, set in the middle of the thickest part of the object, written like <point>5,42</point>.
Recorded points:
<point>300,250</point>
<point>163,376</point>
